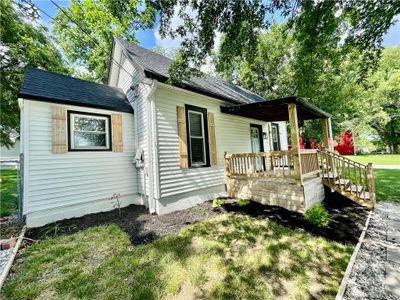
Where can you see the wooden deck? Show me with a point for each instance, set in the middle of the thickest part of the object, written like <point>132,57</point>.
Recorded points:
<point>270,178</point>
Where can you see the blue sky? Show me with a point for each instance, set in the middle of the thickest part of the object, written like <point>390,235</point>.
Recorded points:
<point>149,38</point>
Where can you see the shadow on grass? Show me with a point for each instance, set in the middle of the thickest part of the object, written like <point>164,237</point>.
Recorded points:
<point>242,254</point>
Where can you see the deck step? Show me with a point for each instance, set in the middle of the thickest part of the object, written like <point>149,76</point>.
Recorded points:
<point>354,188</point>
<point>342,182</point>
<point>329,175</point>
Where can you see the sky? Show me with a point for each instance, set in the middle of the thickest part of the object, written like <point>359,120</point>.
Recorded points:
<point>150,38</point>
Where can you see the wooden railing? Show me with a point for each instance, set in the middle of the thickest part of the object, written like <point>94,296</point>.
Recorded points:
<point>349,175</point>
<point>270,164</point>
<point>261,164</point>
<point>309,162</point>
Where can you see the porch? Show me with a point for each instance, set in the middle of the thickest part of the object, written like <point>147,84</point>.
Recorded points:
<point>294,179</point>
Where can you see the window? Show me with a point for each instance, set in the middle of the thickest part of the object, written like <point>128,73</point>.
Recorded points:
<point>88,132</point>
<point>197,136</point>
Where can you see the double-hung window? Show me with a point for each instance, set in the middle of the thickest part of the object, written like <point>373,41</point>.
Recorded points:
<point>197,136</point>
<point>88,131</point>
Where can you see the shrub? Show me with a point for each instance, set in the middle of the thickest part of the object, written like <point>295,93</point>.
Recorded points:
<point>217,203</point>
<point>243,202</point>
<point>317,215</point>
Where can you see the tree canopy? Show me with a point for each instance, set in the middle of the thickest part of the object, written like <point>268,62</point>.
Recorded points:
<point>86,28</point>
<point>320,27</point>
<point>23,42</point>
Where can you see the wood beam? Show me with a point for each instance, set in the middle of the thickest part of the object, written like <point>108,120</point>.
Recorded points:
<point>325,133</point>
<point>295,139</point>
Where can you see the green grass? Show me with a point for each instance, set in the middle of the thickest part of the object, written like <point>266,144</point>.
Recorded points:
<point>8,192</point>
<point>377,159</point>
<point>228,257</point>
<point>387,185</point>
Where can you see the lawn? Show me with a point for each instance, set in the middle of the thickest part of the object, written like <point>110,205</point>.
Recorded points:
<point>377,159</point>
<point>387,185</point>
<point>231,256</point>
<point>8,192</point>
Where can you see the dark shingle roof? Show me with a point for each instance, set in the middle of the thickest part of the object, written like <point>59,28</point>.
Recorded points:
<point>52,87</point>
<point>157,65</point>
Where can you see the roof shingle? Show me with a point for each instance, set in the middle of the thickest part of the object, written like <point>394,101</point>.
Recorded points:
<point>158,65</point>
<point>52,87</point>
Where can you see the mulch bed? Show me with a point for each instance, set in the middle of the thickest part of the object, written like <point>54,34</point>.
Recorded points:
<point>347,220</point>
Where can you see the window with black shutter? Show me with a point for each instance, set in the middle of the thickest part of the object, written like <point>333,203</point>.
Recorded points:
<point>197,136</point>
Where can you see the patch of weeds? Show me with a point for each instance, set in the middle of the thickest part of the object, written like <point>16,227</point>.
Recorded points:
<point>53,231</point>
<point>317,215</point>
<point>217,203</point>
<point>243,202</point>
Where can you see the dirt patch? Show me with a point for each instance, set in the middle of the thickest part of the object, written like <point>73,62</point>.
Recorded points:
<point>347,220</point>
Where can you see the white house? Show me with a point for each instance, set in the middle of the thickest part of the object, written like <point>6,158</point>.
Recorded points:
<point>137,140</point>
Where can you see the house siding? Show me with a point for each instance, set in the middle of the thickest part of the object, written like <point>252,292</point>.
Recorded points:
<point>72,184</point>
<point>176,184</point>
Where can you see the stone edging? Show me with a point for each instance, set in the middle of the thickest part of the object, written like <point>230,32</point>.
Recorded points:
<point>343,284</point>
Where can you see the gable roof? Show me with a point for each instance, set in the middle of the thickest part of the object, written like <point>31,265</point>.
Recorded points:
<point>156,66</point>
<point>53,87</point>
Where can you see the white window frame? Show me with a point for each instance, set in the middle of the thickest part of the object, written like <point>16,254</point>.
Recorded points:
<point>197,137</point>
<point>73,147</point>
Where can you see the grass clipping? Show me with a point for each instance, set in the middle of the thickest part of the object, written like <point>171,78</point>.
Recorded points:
<point>230,256</point>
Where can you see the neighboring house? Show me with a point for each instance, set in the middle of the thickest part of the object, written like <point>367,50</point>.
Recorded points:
<point>137,140</point>
<point>9,157</point>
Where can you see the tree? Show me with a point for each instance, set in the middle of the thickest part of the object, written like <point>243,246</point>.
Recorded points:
<point>86,28</point>
<point>23,42</point>
<point>271,72</point>
<point>318,25</point>
<point>383,98</point>
<point>275,72</point>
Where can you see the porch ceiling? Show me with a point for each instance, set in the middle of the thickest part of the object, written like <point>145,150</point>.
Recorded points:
<point>276,110</point>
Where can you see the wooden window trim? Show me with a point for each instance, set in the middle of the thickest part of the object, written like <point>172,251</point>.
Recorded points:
<point>70,149</point>
<point>205,132</point>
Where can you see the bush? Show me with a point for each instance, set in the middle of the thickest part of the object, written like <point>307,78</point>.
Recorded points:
<point>317,215</point>
<point>217,203</point>
<point>243,202</point>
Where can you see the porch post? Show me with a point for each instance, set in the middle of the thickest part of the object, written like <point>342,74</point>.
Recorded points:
<point>295,138</point>
<point>325,133</point>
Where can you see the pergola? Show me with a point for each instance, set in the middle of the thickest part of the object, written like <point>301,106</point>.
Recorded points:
<point>290,109</point>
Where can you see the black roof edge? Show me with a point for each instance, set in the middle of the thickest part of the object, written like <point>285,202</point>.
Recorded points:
<point>74,103</point>
<point>163,79</point>
<point>279,101</point>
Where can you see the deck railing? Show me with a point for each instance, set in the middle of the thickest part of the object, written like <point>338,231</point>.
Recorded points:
<point>349,175</point>
<point>309,162</point>
<point>270,164</point>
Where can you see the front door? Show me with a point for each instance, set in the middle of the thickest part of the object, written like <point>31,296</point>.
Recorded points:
<point>257,144</point>
<point>275,137</point>
<point>256,138</point>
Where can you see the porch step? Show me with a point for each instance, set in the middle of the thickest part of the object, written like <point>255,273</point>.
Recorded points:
<point>329,175</point>
<point>354,188</point>
<point>361,198</point>
<point>342,182</point>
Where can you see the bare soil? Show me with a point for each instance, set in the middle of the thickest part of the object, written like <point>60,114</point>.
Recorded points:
<point>347,220</point>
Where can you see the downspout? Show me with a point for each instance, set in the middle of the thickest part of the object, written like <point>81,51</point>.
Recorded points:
<point>150,143</point>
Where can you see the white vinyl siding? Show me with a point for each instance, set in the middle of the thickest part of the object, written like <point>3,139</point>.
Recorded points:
<point>232,135</point>
<point>59,186</point>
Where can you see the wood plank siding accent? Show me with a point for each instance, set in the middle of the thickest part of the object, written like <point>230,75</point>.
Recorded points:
<point>183,150</point>
<point>212,139</point>
<point>59,130</point>
<point>117,142</point>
